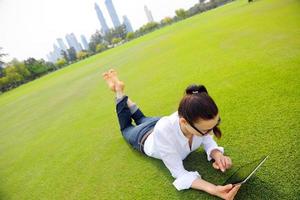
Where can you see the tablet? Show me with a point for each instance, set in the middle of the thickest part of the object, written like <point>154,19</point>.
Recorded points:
<point>243,173</point>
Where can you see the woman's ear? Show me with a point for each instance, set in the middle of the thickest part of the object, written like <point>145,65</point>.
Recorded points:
<point>183,121</point>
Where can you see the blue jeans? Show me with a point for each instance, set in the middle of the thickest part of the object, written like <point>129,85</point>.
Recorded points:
<point>134,134</point>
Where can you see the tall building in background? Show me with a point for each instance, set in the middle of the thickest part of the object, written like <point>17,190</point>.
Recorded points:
<point>148,14</point>
<point>127,24</point>
<point>84,42</point>
<point>57,51</point>
<point>73,42</point>
<point>112,12</point>
<point>101,18</point>
<point>61,44</point>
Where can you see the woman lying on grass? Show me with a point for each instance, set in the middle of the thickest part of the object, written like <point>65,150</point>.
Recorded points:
<point>173,137</point>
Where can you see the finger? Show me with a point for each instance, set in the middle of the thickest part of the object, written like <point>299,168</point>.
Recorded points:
<point>229,162</point>
<point>227,187</point>
<point>215,165</point>
<point>233,191</point>
<point>222,165</point>
<point>223,160</point>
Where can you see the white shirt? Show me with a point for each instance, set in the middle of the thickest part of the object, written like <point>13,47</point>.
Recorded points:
<point>168,143</point>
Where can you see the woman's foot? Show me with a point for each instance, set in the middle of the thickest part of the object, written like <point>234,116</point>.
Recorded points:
<point>113,74</point>
<point>110,82</point>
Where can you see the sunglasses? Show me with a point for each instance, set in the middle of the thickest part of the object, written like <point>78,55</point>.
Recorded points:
<point>206,132</point>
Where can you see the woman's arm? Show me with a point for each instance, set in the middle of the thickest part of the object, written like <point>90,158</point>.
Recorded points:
<point>227,192</point>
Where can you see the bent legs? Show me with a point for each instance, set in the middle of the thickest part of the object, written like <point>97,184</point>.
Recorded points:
<point>128,110</point>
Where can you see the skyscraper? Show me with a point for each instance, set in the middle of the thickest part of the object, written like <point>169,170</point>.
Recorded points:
<point>127,24</point>
<point>84,42</point>
<point>61,44</point>
<point>101,18</point>
<point>148,14</point>
<point>112,12</point>
<point>57,51</point>
<point>72,42</point>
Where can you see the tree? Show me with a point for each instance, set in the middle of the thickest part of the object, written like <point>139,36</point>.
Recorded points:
<point>61,62</point>
<point>14,78</point>
<point>36,67</point>
<point>181,13</point>
<point>81,55</point>
<point>64,55</point>
<point>96,39</point>
<point>166,21</point>
<point>71,54</point>
<point>1,71</point>
<point>4,84</point>
<point>21,69</point>
<point>130,36</point>
<point>1,56</point>
<point>148,27</point>
<point>116,40</point>
<point>100,48</point>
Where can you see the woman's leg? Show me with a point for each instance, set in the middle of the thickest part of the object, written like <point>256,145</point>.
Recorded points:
<point>126,110</point>
<point>136,114</point>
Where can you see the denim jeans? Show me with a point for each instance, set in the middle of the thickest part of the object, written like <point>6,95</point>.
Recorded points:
<point>134,134</point>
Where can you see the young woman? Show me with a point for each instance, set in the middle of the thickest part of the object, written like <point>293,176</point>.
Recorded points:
<point>173,137</point>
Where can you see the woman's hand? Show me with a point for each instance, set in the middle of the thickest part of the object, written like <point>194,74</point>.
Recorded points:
<point>221,162</point>
<point>227,192</point>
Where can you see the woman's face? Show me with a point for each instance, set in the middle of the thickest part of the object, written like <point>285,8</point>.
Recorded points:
<point>204,126</point>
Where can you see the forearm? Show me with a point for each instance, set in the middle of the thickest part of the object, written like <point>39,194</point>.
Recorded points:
<point>203,185</point>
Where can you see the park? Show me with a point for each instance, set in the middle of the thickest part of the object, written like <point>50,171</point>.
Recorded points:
<point>60,137</point>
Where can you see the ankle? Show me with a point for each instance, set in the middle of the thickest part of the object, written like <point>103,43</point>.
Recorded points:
<point>119,94</point>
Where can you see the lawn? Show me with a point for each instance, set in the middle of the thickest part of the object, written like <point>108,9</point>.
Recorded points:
<point>60,139</point>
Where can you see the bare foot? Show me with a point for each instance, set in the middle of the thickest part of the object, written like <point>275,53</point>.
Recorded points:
<point>110,82</point>
<point>113,74</point>
<point>119,86</point>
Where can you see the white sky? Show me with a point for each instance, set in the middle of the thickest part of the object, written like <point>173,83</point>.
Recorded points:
<point>28,28</point>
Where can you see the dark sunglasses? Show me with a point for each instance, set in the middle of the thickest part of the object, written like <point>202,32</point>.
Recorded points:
<point>206,132</point>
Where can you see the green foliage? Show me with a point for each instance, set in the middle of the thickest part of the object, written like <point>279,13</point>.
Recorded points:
<point>100,48</point>
<point>130,36</point>
<point>36,67</point>
<point>71,54</point>
<point>181,13</point>
<point>21,69</point>
<point>81,55</point>
<point>61,62</point>
<point>116,40</point>
<point>166,21</point>
<point>119,32</point>
<point>96,39</point>
<point>148,27</point>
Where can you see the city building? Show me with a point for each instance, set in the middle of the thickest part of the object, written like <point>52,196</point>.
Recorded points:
<point>73,42</point>
<point>101,18</point>
<point>127,24</point>
<point>112,12</point>
<point>61,44</point>
<point>148,14</point>
<point>84,42</point>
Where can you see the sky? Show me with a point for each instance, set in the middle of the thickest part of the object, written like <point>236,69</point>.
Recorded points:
<point>29,28</point>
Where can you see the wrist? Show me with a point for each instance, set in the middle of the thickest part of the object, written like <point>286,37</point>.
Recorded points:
<point>216,153</point>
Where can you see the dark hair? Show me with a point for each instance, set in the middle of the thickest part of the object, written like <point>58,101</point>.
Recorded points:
<point>197,104</point>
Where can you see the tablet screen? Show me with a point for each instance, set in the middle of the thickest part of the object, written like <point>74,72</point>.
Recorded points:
<point>243,172</point>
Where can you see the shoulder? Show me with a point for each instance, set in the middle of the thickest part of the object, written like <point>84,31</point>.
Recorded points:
<point>167,125</point>
<point>168,122</point>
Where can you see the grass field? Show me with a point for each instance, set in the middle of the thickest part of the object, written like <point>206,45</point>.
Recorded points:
<point>60,139</point>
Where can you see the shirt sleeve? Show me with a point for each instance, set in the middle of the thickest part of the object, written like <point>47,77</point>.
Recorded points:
<point>173,161</point>
<point>209,145</point>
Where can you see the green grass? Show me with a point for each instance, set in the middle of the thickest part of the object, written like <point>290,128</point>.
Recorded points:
<point>59,135</point>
